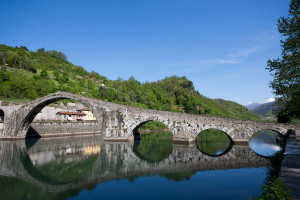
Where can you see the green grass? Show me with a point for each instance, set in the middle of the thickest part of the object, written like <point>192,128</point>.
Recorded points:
<point>15,100</point>
<point>50,74</point>
<point>38,71</point>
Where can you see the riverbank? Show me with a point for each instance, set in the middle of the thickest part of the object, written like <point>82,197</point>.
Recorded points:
<point>290,167</point>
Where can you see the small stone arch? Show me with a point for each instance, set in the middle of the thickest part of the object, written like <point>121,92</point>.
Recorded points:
<point>273,139</point>
<point>269,129</point>
<point>2,116</point>
<point>225,149</point>
<point>219,129</point>
<point>137,135</point>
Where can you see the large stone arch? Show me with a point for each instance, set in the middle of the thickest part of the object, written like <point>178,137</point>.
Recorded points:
<point>25,115</point>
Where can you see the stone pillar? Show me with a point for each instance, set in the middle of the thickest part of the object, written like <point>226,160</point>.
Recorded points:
<point>183,138</point>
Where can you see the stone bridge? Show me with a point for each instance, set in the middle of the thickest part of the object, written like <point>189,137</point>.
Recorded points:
<point>120,123</point>
<point>114,161</point>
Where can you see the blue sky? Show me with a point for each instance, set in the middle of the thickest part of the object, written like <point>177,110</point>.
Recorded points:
<point>222,46</point>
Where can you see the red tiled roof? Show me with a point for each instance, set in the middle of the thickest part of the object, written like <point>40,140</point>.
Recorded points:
<point>71,113</point>
<point>83,109</point>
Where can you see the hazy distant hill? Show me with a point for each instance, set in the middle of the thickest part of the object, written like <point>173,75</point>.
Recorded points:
<point>252,106</point>
<point>265,110</point>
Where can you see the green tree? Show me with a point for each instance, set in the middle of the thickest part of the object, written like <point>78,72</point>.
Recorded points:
<point>65,77</point>
<point>41,50</point>
<point>58,54</point>
<point>44,73</point>
<point>18,85</point>
<point>25,48</point>
<point>286,70</point>
<point>12,60</point>
<point>4,75</point>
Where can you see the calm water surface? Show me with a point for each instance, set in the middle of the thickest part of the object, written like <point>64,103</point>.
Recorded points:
<point>264,143</point>
<point>153,168</point>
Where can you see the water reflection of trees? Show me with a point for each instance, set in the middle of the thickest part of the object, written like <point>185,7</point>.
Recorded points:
<point>179,176</point>
<point>154,147</point>
<point>115,161</point>
<point>213,142</point>
<point>13,188</point>
<point>65,162</point>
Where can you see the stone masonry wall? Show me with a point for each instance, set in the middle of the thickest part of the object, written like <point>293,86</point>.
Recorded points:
<point>119,122</point>
<point>49,129</point>
<point>49,113</point>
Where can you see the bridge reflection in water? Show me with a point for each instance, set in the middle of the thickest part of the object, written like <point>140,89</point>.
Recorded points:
<point>60,165</point>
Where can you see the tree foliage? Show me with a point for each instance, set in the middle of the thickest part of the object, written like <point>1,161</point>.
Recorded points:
<point>58,54</point>
<point>171,94</point>
<point>275,189</point>
<point>30,75</point>
<point>286,70</point>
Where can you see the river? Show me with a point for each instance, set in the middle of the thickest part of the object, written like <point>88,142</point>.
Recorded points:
<point>152,168</point>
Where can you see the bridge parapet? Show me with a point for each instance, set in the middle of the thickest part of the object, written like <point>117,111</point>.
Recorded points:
<point>119,122</point>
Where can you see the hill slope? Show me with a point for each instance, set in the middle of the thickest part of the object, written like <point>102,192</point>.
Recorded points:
<point>29,75</point>
<point>265,110</point>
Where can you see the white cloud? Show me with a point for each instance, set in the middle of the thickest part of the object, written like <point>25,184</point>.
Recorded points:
<point>204,62</point>
<point>232,58</point>
<point>270,100</point>
<point>236,55</point>
<point>268,35</point>
<point>242,53</point>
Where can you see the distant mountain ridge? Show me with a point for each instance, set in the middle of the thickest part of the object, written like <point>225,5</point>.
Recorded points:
<point>265,110</point>
<point>252,106</point>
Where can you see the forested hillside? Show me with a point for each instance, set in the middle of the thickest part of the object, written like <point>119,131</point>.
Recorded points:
<point>28,75</point>
<point>265,110</point>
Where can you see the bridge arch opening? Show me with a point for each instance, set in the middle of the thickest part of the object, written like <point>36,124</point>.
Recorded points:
<point>153,141</point>
<point>213,142</point>
<point>266,142</point>
<point>57,118</point>
<point>1,116</point>
<point>151,126</point>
